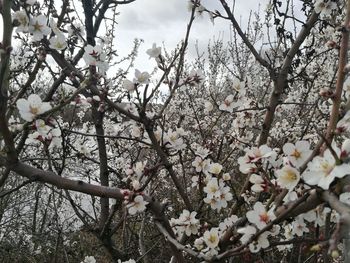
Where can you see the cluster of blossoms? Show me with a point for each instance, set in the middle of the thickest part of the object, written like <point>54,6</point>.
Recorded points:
<point>135,172</point>
<point>208,244</point>
<point>38,27</point>
<point>218,194</point>
<point>260,218</point>
<point>321,171</point>
<point>186,223</point>
<point>46,133</point>
<point>174,139</point>
<point>325,7</point>
<point>254,157</point>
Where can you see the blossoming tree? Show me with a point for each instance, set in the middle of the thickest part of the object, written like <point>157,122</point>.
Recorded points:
<point>243,155</point>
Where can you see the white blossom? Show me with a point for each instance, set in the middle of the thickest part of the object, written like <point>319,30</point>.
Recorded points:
<point>322,170</point>
<point>141,77</point>
<point>211,238</point>
<point>297,154</point>
<point>89,259</point>
<point>259,216</point>
<point>137,205</point>
<point>58,42</point>
<point>38,27</point>
<point>22,18</point>
<point>95,56</point>
<point>288,177</point>
<point>154,52</point>
<point>32,107</point>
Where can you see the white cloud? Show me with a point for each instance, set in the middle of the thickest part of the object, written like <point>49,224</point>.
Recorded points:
<point>166,21</point>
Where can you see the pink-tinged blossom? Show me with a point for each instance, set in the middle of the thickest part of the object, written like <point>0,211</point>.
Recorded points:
<point>154,52</point>
<point>259,216</point>
<point>322,170</point>
<point>38,27</point>
<point>137,206</point>
<point>297,154</point>
<point>345,149</point>
<point>94,56</point>
<point>343,126</point>
<point>247,163</point>
<point>288,177</point>
<point>32,107</point>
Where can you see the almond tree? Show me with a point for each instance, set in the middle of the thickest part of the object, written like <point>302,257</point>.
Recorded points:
<point>239,155</point>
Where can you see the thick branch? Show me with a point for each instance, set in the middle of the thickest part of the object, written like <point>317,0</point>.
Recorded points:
<point>245,39</point>
<point>344,46</point>
<point>281,81</point>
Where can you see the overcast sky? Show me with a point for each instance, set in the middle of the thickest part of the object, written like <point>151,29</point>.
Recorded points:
<point>165,21</point>
<point>158,21</point>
